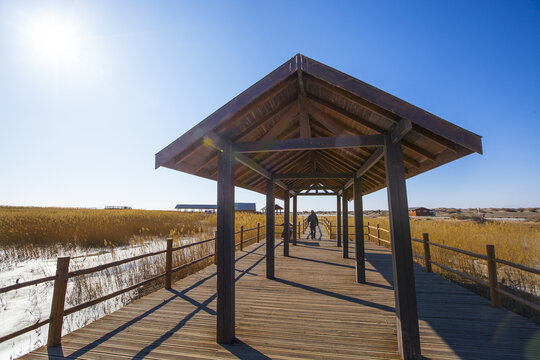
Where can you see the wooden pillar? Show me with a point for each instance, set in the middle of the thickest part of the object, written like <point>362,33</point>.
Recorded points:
<point>225,246</point>
<point>359,232</point>
<point>58,302</point>
<point>294,218</point>
<point>286,220</point>
<point>345,249</point>
<point>270,221</point>
<point>168,264</point>
<point>338,225</point>
<point>408,334</point>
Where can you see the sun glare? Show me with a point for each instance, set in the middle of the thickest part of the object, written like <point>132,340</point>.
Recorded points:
<point>54,39</point>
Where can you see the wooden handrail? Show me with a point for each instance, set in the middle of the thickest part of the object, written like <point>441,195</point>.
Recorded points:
<point>493,283</point>
<point>58,312</point>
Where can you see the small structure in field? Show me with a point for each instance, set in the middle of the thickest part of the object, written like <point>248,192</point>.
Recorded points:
<point>110,207</point>
<point>421,211</point>
<point>252,207</point>
<point>278,209</point>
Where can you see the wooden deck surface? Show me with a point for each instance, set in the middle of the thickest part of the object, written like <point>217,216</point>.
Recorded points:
<point>312,310</point>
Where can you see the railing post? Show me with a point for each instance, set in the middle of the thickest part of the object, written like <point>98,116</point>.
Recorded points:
<point>168,264</point>
<point>241,237</point>
<point>258,231</point>
<point>427,253</point>
<point>378,234</point>
<point>59,297</point>
<point>492,275</point>
<point>215,247</point>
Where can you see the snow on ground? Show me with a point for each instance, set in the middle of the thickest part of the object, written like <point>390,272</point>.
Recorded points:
<point>26,306</point>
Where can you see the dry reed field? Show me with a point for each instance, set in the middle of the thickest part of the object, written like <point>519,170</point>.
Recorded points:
<point>32,238</point>
<point>517,242</point>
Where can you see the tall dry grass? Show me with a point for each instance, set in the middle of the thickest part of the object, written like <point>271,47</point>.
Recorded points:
<point>517,242</point>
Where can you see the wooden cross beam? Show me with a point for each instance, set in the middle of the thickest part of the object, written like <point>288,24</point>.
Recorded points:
<point>314,176</point>
<point>310,143</point>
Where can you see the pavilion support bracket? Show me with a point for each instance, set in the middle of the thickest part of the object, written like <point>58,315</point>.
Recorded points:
<point>225,246</point>
<point>402,261</point>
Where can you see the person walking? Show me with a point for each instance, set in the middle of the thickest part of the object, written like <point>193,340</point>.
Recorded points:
<point>313,222</point>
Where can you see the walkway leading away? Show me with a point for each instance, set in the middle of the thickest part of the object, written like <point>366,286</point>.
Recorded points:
<point>313,310</point>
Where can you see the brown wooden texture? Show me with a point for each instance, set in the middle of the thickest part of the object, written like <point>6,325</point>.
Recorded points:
<point>405,292</point>
<point>338,221</point>
<point>334,318</point>
<point>270,230</point>
<point>492,275</point>
<point>359,256</point>
<point>295,219</point>
<point>286,220</point>
<point>168,264</point>
<point>58,301</point>
<point>345,217</point>
<point>427,252</point>
<point>225,247</point>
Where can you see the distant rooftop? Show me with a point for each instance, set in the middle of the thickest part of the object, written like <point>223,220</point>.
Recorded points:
<point>237,207</point>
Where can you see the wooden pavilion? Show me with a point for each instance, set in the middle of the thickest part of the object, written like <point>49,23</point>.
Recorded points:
<point>308,129</point>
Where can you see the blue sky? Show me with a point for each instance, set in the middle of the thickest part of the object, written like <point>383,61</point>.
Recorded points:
<point>82,116</point>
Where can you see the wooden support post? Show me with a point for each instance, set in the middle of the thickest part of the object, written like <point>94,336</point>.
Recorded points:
<point>408,334</point>
<point>368,231</point>
<point>427,253</point>
<point>225,246</point>
<point>58,301</point>
<point>258,232</point>
<point>345,249</point>
<point>270,231</point>
<point>215,247</point>
<point>359,232</point>
<point>286,220</point>
<point>241,237</point>
<point>492,275</point>
<point>168,264</point>
<point>338,224</point>
<point>299,229</point>
<point>378,234</point>
<point>295,218</point>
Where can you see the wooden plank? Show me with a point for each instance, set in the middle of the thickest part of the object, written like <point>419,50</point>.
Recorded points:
<point>318,143</point>
<point>408,333</point>
<point>270,228</point>
<point>225,247</point>
<point>360,262</point>
<point>284,119</point>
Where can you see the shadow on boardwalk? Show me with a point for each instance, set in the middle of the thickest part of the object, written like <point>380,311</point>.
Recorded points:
<point>313,309</point>
<point>465,321</point>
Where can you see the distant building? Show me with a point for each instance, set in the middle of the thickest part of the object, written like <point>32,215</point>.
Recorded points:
<point>278,209</point>
<point>210,208</point>
<point>421,211</point>
<point>110,207</point>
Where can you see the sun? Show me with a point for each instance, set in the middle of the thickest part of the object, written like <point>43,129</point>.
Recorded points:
<point>54,39</point>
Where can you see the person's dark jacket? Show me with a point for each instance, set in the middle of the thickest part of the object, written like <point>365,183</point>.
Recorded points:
<point>313,220</point>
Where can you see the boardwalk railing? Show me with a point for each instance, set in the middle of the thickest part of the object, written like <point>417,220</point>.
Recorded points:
<point>373,233</point>
<point>58,312</point>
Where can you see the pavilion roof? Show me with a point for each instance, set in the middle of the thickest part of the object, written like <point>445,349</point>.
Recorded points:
<point>305,119</point>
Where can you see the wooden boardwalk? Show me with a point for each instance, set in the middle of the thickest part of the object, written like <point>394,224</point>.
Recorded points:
<point>312,310</point>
